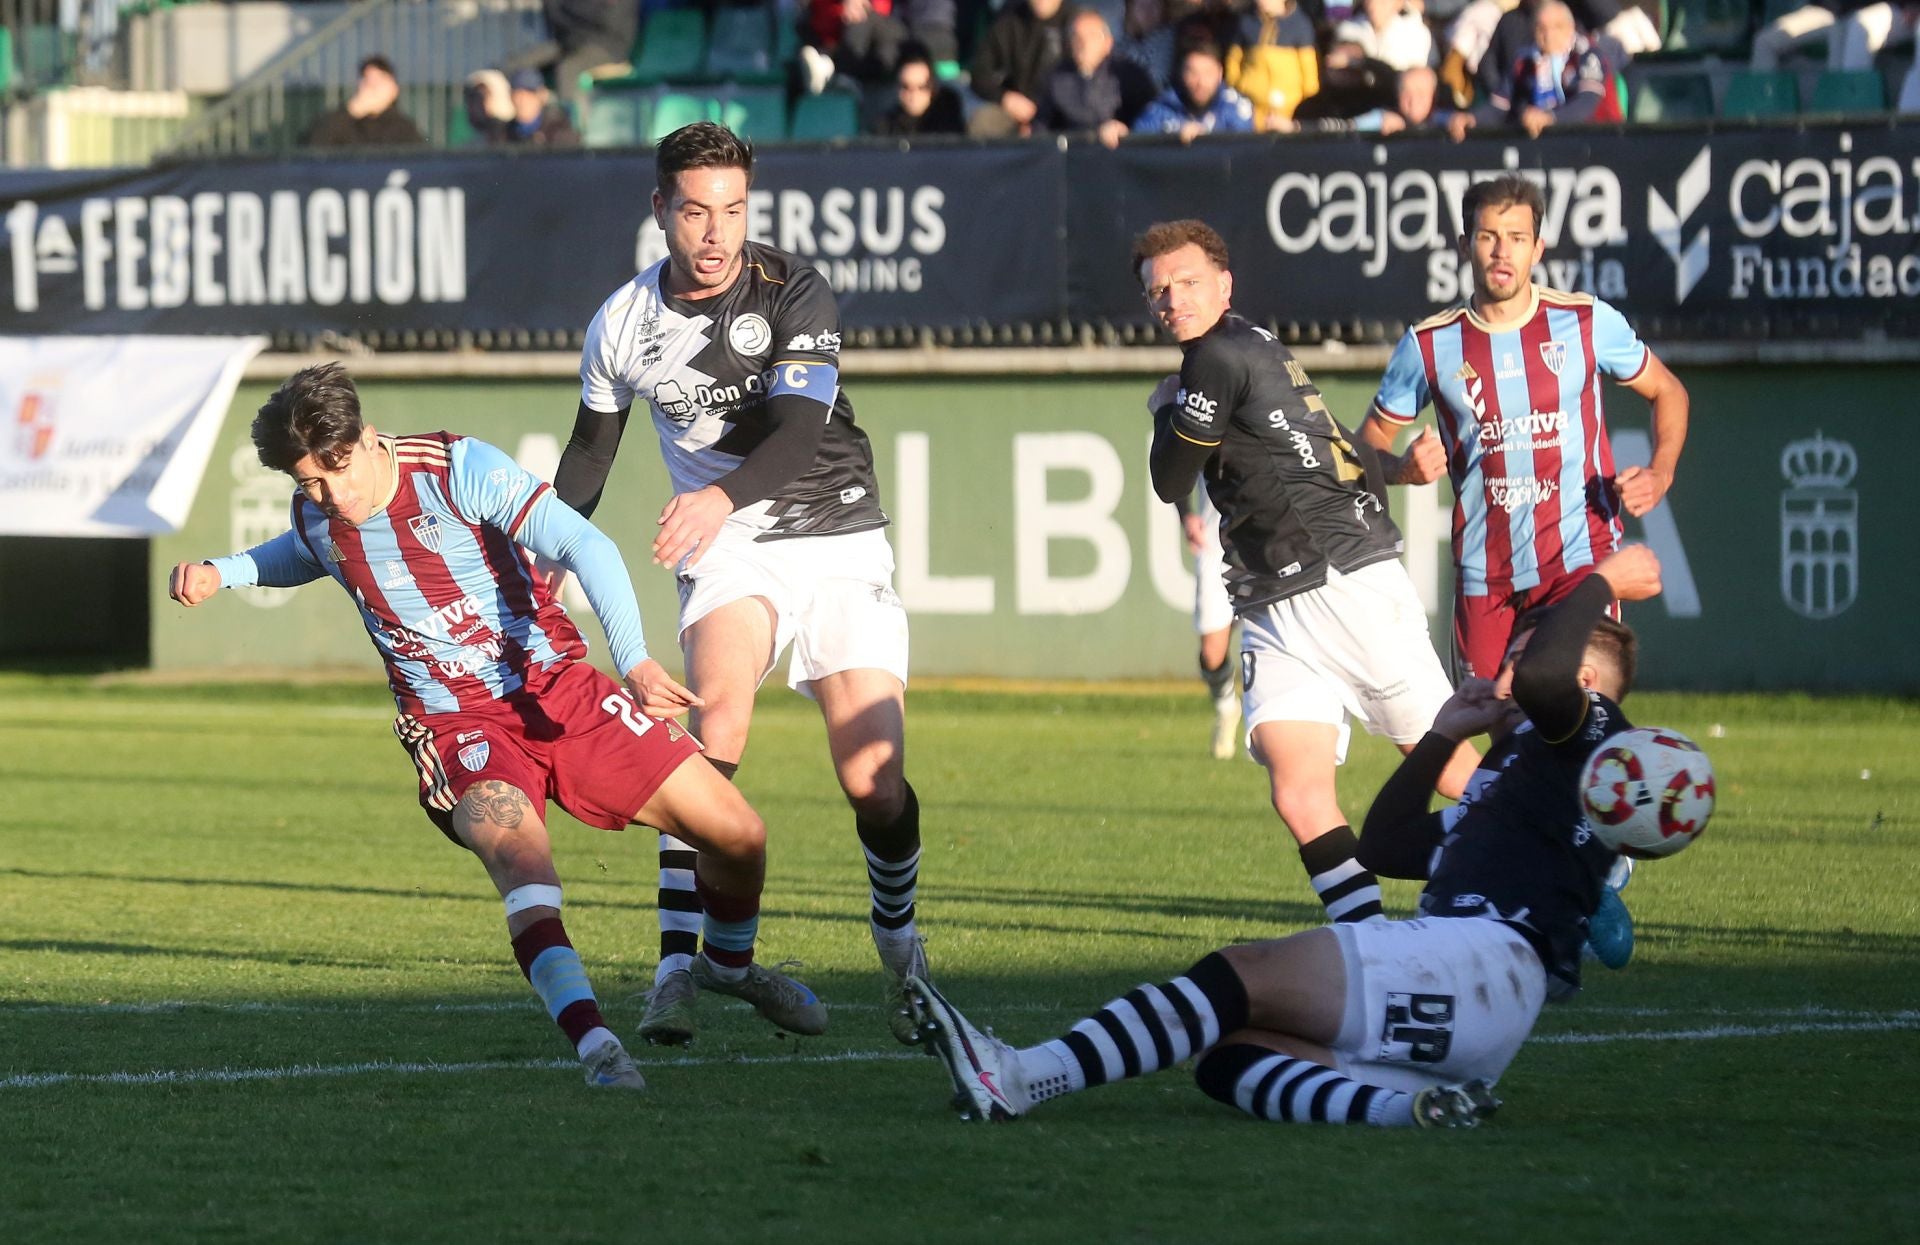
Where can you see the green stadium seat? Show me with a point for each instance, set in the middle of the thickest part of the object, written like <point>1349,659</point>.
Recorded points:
<point>673,47</point>
<point>755,112</point>
<point>44,59</point>
<point>1841,90</point>
<point>742,47</point>
<point>1672,97</point>
<point>6,60</point>
<point>1708,26</point>
<point>1752,95</point>
<point>616,119</point>
<point>669,110</point>
<point>832,114</point>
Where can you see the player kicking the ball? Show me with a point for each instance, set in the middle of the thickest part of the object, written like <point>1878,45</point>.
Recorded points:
<point>498,711</point>
<point>1401,1022</point>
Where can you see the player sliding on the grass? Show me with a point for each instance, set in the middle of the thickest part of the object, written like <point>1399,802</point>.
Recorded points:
<point>498,710</point>
<point>1401,1022</point>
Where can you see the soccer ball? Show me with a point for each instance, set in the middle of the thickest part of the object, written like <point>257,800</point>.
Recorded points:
<point>1647,792</point>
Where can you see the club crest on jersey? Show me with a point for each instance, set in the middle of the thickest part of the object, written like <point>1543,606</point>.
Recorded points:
<point>474,756</point>
<point>1554,355</point>
<point>750,334</point>
<point>426,530</point>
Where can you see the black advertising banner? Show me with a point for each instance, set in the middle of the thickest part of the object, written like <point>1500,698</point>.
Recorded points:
<point>1784,232</point>
<point>435,242</point>
<point>1732,234</point>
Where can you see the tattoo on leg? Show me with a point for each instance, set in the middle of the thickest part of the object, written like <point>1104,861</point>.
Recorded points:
<point>501,803</point>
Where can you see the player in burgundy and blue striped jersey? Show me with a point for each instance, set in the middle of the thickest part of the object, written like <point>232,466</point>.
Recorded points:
<point>1514,379</point>
<point>498,709</point>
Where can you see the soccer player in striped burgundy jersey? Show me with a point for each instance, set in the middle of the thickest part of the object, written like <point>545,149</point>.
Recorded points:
<point>1514,378</point>
<point>499,710</point>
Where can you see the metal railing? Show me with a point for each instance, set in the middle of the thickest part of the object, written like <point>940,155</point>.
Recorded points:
<point>433,44</point>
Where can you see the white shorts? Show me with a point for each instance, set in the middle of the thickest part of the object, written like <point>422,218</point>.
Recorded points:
<point>1435,1001</point>
<point>1212,607</point>
<point>832,599</point>
<point>1357,645</point>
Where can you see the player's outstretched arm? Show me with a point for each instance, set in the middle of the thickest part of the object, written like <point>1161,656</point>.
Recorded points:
<point>283,562</point>
<point>1643,488</point>
<point>1546,679</point>
<point>581,477</point>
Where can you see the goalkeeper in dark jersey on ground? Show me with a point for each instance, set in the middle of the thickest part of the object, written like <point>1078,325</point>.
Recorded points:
<point>1330,625</point>
<point>774,529</point>
<point>1387,1023</point>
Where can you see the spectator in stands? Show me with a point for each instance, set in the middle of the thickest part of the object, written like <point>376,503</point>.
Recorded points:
<point>1094,88</point>
<point>864,39</point>
<point>531,118</point>
<point>1467,42</point>
<point>1854,30</point>
<point>1274,62</point>
<point>585,38</point>
<point>1389,30</point>
<point>1513,34</point>
<point>1010,67</point>
<point>1413,108</point>
<point>371,117</point>
<point>922,104</point>
<point>1560,78</point>
<point>1147,37</point>
<point>1202,103</point>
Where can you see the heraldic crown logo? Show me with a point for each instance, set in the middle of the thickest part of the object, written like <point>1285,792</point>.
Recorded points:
<point>1819,527</point>
<point>1818,463</point>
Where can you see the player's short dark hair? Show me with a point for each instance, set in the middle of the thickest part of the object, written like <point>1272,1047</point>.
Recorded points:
<point>913,52</point>
<point>1170,235</point>
<point>377,61</point>
<point>1611,643</point>
<point>317,412</point>
<point>702,145</point>
<point>1505,191</point>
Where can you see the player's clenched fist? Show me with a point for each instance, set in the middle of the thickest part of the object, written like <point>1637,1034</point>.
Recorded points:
<point>657,694</point>
<point>1474,708</point>
<point>1640,489</point>
<point>1426,459</point>
<point>193,582</point>
<point>1633,572</point>
<point>689,524</point>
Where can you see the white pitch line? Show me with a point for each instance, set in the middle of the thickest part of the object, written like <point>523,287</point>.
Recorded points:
<point>190,1076</point>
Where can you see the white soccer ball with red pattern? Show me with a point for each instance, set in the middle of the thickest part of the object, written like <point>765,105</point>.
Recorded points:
<point>1647,792</point>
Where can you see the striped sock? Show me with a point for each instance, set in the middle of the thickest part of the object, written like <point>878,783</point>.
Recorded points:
<point>1271,1086</point>
<point>1144,1030</point>
<point>1347,888</point>
<point>893,865</point>
<point>679,908</point>
<point>728,930</point>
<point>554,970</point>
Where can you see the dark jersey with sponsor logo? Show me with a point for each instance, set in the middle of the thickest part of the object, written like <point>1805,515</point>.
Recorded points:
<point>1296,495</point>
<point>1517,845</point>
<point>706,369</point>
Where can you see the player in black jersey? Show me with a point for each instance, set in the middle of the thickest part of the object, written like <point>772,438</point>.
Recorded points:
<point>1394,1022</point>
<point>1330,623</point>
<point>774,529</point>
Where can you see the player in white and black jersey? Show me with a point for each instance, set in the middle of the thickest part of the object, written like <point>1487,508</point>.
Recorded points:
<point>1330,624</point>
<point>774,528</point>
<point>1392,1022</point>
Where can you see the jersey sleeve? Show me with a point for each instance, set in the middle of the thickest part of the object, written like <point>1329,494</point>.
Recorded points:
<point>283,562</point>
<point>1617,349</point>
<point>602,388</point>
<point>1403,387</point>
<point>806,340</point>
<point>1213,382</point>
<point>487,487</point>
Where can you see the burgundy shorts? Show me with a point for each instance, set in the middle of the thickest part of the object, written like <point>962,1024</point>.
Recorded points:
<point>1483,626</point>
<point>579,740</point>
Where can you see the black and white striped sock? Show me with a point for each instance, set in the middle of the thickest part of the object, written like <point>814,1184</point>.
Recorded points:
<point>679,907</point>
<point>1271,1086</point>
<point>1144,1030</point>
<point>893,865</point>
<point>1347,888</point>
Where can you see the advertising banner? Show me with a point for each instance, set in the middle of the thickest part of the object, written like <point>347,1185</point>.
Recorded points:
<point>109,436</point>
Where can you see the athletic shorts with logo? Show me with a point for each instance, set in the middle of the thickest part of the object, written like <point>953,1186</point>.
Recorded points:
<point>1483,625</point>
<point>832,598</point>
<point>1435,1001</point>
<point>1357,645</point>
<point>578,740</point>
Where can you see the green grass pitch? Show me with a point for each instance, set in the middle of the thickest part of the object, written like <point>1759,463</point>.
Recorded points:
<point>248,994</point>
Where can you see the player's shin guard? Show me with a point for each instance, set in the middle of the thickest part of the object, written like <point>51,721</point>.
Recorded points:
<point>1150,1027</point>
<point>679,907</point>
<point>1271,1086</point>
<point>893,863</point>
<point>728,929</point>
<point>1347,888</point>
<point>554,970</point>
